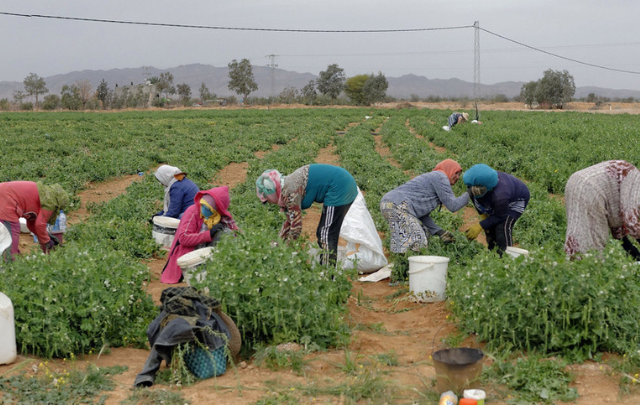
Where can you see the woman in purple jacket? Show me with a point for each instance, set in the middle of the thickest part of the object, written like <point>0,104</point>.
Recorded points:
<point>500,199</point>
<point>179,191</point>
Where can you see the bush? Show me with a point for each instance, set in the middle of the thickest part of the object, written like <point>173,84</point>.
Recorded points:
<point>274,293</point>
<point>75,301</point>
<point>26,106</point>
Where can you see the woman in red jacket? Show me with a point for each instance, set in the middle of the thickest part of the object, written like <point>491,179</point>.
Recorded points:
<point>201,225</point>
<point>37,203</point>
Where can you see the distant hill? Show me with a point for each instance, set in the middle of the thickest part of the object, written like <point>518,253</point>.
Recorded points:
<point>272,82</point>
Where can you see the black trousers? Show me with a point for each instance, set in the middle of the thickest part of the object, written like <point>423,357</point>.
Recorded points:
<point>328,232</point>
<point>501,235</point>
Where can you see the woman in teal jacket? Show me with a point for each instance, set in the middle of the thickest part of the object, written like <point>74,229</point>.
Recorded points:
<point>332,186</point>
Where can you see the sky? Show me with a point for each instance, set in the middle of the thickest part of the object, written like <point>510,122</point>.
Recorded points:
<point>436,38</point>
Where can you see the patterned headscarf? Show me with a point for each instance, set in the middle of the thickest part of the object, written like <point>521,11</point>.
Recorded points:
<point>269,186</point>
<point>52,198</point>
<point>449,167</point>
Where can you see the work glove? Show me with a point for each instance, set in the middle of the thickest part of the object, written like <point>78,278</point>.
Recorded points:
<point>446,237</point>
<point>55,240</point>
<point>483,217</point>
<point>47,247</point>
<point>473,232</point>
<point>215,229</point>
<point>478,191</point>
<point>151,220</point>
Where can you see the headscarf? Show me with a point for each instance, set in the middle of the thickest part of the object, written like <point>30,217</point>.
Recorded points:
<point>52,198</point>
<point>208,211</point>
<point>167,175</point>
<point>481,175</point>
<point>449,167</point>
<point>269,186</point>
<point>221,200</point>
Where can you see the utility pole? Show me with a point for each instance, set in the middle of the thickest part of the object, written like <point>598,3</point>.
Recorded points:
<point>272,64</point>
<point>476,61</point>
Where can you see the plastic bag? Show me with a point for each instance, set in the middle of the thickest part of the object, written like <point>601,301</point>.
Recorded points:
<point>363,241</point>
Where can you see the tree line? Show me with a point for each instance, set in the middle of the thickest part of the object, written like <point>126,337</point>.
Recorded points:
<point>332,87</point>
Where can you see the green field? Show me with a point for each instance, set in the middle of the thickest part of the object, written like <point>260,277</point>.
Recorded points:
<point>541,304</point>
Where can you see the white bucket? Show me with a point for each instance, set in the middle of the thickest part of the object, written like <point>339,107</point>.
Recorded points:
<point>189,264</point>
<point>516,252</point>
<point>23,226</point>
<point>8,352</point>
<point>164,230</point>
<point>428,277</point>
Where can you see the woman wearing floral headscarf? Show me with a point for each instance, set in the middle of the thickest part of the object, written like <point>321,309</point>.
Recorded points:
<point>408,207</point>
<point>201,225</point>
<point>332,186</point>
<point>35,202</point>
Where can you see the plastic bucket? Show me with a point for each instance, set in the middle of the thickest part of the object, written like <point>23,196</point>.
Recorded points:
<point>23,226</point>
<point>164,230</point>
<point>516,252</point>
<point>428,277</point>
<point>457,369</point>
<point>8,351</point>
<point>189,264</point>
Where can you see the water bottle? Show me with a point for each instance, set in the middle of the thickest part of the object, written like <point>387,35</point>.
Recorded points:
<point>61,222</point>
<point>56,227</point>
<point>448,398</point>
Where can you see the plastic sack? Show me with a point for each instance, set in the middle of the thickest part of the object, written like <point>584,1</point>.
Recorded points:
<point>363,241</point>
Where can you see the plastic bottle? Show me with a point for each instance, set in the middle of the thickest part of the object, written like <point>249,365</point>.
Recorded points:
<point>62,222</point>
<point>448,398</point>
<point>467,401</point>
<point>56,226</point>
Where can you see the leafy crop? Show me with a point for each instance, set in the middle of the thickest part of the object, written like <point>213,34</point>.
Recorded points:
<point>544,302</point>
<point>274,293</point>
<point>76,301</point>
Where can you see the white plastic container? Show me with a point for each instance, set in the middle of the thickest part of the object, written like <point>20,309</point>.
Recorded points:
<point>5,240</point>
<point>428,277</point>
<point>8,352</point>
<point>164,230</point>
<point>23,226</point>
<point>516,252</point>
<point>189,264</point>
<point>478,395</point>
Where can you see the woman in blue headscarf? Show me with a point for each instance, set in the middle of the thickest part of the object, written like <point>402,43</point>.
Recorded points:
<point>500,199</point>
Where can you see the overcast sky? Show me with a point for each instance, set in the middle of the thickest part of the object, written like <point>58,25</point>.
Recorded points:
<point>597,32</point>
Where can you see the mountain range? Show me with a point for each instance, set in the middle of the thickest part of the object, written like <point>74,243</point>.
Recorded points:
<point>272,81</point>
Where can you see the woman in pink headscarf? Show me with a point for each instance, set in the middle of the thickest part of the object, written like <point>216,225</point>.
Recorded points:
<point>408,207</point>
<point>201,225</point>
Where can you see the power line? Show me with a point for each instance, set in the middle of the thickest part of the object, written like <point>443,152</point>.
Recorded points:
<point>125,22</point>
<point>560,56</point>
<point>211,27</point>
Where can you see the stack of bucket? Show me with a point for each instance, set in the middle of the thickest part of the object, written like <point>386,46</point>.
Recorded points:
<point>164,230</point>
<point>189,263</point>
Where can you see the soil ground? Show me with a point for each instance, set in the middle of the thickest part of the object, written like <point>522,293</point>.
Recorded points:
<point>388,323</point>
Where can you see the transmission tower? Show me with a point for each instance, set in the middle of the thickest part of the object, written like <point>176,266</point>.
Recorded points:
<point>272,64</point>
<point>476,60</point>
